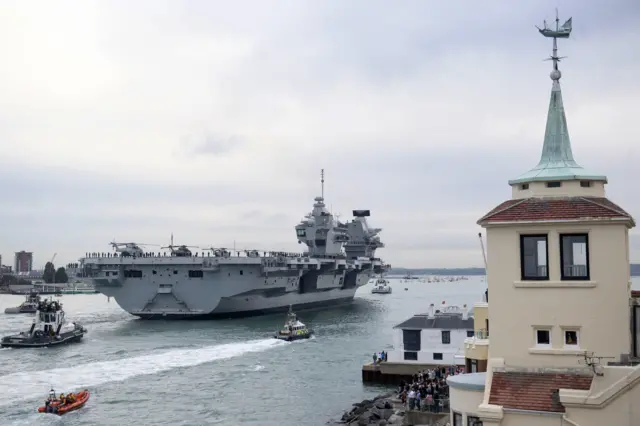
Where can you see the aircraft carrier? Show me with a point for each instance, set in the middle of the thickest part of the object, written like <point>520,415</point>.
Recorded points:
<point>222,283</point>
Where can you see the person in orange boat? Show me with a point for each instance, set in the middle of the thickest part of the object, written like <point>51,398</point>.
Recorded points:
<point>71,398</point>
<point>52,403</point>
<point>49,400</point>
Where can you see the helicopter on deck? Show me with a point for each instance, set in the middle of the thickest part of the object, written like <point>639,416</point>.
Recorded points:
<point>219,252</point>
<point>252,253</point>
<point>128,249</point>
<point>180,250</point>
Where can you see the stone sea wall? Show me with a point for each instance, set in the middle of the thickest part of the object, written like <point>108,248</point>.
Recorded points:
<point>386,409</point>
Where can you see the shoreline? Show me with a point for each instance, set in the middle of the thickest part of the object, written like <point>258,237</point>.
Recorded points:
<point>387,409</point>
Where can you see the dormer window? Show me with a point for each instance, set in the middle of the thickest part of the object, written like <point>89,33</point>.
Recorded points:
<point>524,186</point>
<point>585,184</point>
<point>555,184</point>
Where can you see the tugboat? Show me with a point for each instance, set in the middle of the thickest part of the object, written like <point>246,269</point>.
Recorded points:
<point>381,287</point>
<point>29,306</point>
<point>49,328</point>
<point>293,329</point>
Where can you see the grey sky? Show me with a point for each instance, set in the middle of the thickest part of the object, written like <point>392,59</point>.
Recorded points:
<point>212,119</point>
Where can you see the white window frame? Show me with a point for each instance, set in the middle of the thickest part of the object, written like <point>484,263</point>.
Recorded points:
<point>564,337</point>
<point>535,337</point>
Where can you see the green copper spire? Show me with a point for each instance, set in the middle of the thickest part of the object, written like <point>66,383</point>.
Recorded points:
<point>556,161</point>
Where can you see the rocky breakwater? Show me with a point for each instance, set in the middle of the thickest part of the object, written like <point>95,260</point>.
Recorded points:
<point>381,410</point>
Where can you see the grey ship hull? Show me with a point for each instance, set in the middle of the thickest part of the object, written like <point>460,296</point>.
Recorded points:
<point>232,309</point>
<point>239,287</point>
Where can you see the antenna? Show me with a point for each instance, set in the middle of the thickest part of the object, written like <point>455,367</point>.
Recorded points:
<point>593,361</point>
<point>322,182</point>
<point>172,238</point>
<point>554,56</point>
<point>484,255</point>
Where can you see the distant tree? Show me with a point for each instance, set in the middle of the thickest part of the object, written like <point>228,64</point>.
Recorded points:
<point>61,276</point>
<point>7,280</point>
<point>49,273</point>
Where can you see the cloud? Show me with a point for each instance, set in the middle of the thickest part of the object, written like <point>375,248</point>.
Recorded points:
<point>212,119</point>
<point>210,144</point>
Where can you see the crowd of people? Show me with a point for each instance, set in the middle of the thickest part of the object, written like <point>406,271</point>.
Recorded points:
<point>379,357</point>
<point>48,305</point>
<point>428,390</point>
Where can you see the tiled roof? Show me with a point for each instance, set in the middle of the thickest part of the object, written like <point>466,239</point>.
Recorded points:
<point>549,209</point>
<point>442,322</point>
<point>534,391</point>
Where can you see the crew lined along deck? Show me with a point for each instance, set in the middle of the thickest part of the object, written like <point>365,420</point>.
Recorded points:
<point>223,254</point>
<point>111,265</point>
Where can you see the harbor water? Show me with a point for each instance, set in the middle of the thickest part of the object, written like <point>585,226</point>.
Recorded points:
<point>227,372</point>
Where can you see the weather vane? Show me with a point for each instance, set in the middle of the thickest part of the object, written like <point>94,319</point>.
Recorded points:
<point>563,31</point>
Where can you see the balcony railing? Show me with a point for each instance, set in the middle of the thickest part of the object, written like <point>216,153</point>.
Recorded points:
<point>481,334</point>
<point>577,271</point>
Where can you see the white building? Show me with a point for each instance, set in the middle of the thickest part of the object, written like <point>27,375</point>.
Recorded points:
<point>434,338</point>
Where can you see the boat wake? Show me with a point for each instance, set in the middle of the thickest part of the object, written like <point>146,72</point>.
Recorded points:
<point>29,384</point>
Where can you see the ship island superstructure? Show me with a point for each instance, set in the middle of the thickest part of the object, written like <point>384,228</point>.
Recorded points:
<point>223,283</point>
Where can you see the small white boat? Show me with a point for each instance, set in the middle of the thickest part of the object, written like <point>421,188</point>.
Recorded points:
<point>381,287</point>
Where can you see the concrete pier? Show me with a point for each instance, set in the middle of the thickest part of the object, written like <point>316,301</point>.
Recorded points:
<point>391,373</point>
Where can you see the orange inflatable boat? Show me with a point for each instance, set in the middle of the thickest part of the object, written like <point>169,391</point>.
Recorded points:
<point>56,408</point>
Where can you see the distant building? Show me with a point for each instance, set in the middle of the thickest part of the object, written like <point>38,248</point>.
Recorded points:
<point>434,338</point>
<point>31,275</point>
<point>23,262</point>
